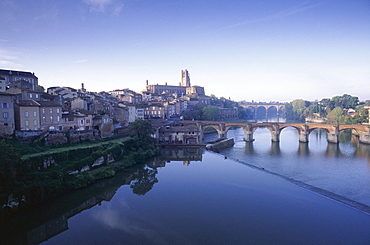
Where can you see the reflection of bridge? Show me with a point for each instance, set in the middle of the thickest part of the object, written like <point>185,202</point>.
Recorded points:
<point>253,108</point>
<point>304,129</point>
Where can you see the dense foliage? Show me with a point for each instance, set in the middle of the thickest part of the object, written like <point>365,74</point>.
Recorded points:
<point>211,112</point>
<point>31,179</point>
<point>335,110</point>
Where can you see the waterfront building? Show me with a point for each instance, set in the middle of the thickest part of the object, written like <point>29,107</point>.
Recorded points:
<point>189,134</point>
<point>50,115</point>
<point>37,115</point>
<point>27,115</point>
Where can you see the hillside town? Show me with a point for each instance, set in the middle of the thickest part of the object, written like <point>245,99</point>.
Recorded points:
<point>27,111</point>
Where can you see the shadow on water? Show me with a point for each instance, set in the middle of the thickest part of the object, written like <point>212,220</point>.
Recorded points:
<point>349,145</point>
<point>49,219</point>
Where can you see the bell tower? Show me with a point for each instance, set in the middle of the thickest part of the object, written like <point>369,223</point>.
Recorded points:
<point>185,79</point>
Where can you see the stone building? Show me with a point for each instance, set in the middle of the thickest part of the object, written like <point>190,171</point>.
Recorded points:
<point>7,123</point>
<point>8,76</point>
<point>27,115</point>
<point>179,135</point>
<point>181,90</point>
<point>50,115</point>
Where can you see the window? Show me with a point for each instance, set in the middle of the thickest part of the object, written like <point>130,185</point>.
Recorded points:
<point>44,119</point>
<point>34,114</point>
<point>58,110</point>
<point>5,115</point>
<point>51,110</point>
<point>37,96</point>
<point>5,105</point>
<point>58,118</point>
<point>43,110</point>
<point>30,96</point>
<point>51,118</point>
<point>27,123</point>
<point>26,114</point>
<point>34,122</point>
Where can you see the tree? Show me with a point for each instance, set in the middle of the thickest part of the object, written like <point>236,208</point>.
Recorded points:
<point>362,116</point>
<point>141,130</point>
<point>336,116</point>
<point>10,170</point>
<point>40,88</point>
<point>210,113</point>
<point>144,181</point>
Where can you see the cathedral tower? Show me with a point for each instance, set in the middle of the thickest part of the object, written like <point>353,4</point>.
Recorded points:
<point>185,79</point>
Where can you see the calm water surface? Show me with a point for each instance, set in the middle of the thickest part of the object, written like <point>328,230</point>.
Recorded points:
<point>192,196</point>
<point>343,168</point>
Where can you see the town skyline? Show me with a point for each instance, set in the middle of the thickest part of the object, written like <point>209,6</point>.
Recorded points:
<point>242,50</point>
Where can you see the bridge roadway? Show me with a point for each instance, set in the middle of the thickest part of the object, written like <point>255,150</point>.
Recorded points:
<point>304,129</point>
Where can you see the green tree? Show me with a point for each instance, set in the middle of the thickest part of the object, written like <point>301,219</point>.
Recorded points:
<point>337,116</point>
<point>296,109</point>
<point>211,113</point>
<point>40,88</point>
<point>11,168</point>
<point>362,116</point>
<point>142,130</point>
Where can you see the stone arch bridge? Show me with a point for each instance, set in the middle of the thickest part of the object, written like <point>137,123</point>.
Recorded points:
<point>268,106</point>
<point>304,129</point>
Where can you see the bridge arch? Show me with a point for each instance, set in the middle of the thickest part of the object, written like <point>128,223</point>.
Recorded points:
<point>263,111</point>
<point>217,127</point>
<point>304,129</point>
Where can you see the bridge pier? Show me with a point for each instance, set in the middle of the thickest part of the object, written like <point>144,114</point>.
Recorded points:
<point>303,137</point>
<point>303,134</point>
<point>333,135</point>
<point>275,136</point>
<point>249,136</point>
<point>364,137</point>
<point>275,133</point>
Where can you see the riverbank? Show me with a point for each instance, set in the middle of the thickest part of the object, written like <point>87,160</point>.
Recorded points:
<point>42,176</point>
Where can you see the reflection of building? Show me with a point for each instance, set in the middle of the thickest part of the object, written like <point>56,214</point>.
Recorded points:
<point>181,154</point>
<point>47,230</point>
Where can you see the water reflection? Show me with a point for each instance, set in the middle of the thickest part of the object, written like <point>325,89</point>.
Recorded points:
<point>349,145</point>
<point>332,150</point>
<point>303,149</point>
<point>50,219</point>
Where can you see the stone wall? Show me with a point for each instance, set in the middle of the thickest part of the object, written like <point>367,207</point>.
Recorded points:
<point>216,147</point>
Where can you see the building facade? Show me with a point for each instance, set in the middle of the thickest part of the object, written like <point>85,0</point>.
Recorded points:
<point>7,123</point>
<point>27,115</point>
<point>50,115</point>
<point>8,76</point>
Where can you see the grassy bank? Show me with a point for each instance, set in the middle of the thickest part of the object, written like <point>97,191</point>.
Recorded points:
<point>33,178</point>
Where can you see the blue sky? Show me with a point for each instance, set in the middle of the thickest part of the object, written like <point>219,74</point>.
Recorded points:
<point>263,50</point>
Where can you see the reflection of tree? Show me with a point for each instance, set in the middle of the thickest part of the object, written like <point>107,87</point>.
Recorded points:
<point>144,180</point>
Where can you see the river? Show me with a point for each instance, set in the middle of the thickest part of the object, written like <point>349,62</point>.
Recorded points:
<point>193,196</point>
